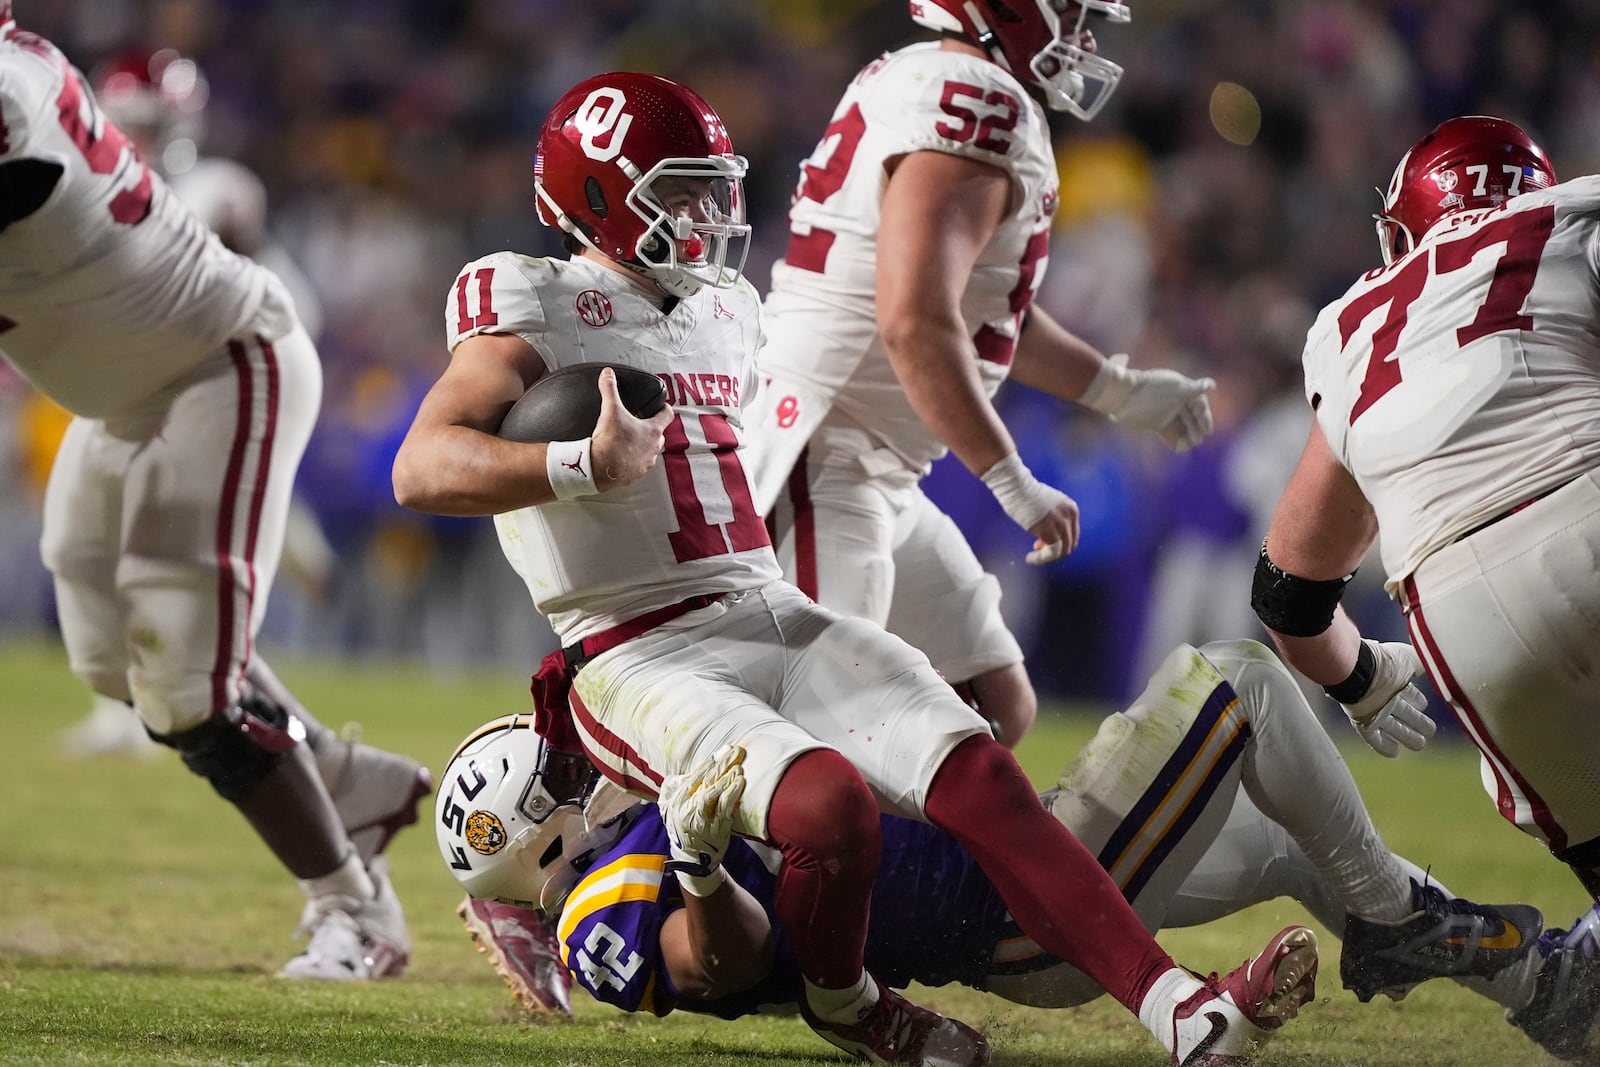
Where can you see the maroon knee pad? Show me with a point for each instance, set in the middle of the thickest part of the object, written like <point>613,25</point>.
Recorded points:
<point>824,820</point>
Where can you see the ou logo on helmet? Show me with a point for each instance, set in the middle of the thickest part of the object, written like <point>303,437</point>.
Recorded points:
<point>601,117</point>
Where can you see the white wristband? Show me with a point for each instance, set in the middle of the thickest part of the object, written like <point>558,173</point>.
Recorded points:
<point>1112,386</point>
<point>567,464</point>
<point>1025,499</point>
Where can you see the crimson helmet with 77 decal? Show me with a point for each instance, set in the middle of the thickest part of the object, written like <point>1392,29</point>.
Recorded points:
<point>511,816</point>
<point>1474,161</point>
<point>1044,43</point>
<point>641,169</point>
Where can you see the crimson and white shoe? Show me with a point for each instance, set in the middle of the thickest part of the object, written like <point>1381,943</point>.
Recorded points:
<point>1226,1020</point>
<point>898,1031</point>
<point>376,793</point>
<point>352,940</point>
<point>522,945</point>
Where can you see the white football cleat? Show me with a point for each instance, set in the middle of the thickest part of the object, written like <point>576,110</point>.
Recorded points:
<point>352,940</point>
<point>111,728</point>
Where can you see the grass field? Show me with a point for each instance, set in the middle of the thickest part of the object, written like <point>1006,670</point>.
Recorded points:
<point>140,922</point>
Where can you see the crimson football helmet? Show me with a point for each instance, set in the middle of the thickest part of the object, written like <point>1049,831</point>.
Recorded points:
<point>1039,41</point>
<point>156,98</point>
<point>512,816</point>
<point>1475,161</point>
<point>641,169</point>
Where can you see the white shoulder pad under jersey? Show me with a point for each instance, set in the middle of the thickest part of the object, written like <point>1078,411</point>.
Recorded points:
<point>689,526</point>
<point>112,290</point>
<point>821,309</point>
<point>1461,380</point>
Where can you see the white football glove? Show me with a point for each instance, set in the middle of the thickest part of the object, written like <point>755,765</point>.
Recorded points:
<point>1393,714</point>
<point>698,809</point>
<point>1162,401</point>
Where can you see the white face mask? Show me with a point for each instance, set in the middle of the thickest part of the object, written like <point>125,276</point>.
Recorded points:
<point>695,208</point>
<point>1074,79</point>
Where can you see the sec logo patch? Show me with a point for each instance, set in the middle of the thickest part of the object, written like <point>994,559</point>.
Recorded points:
<point>594,308</point>
<point>485,833</point>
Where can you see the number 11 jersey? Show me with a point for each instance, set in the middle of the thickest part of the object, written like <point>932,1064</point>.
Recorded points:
<point>1464,379</point>
<point>689,526</point>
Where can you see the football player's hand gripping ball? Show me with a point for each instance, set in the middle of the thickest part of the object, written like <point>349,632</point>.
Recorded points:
<point>698,810</point>
<point>1393,714</point>
<point>1166,403</point>
<point>625,447</point>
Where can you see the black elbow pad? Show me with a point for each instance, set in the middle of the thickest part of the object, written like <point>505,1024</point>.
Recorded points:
<point>1289,604</point>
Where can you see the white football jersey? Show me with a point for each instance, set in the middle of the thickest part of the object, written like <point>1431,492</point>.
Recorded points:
<point>686,528</point>
<point>1464,379</point>
<point>112,290</point>
<point>821,312</point>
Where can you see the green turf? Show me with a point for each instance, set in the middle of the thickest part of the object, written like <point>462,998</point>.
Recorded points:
<point>140,922</point>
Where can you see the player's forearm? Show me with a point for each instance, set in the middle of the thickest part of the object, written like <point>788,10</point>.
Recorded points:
<point>729,944</point>
<point>937,368</point>
<point>1053,359</point>
<point>459,471</point>
<point>1326,658</point>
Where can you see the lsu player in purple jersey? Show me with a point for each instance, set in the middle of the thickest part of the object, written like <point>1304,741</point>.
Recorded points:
<point>641,544</point>
<point>1216,789</point>
<point>919,233</point>
<point>1456,396</point>
<point>193,387</point>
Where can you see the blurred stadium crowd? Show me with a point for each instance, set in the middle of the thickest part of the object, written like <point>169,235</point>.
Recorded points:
<point>1221,199</point>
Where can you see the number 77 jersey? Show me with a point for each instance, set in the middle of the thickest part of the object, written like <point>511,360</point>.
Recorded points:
<point>1464,379</point>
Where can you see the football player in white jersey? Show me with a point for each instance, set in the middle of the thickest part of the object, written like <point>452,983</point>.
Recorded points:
<point>1457,422</point>
<point>194,388</point>
<point>643,547</point>
<point>1215,790</point>
<point>158,99</point>
<point>920,232</point>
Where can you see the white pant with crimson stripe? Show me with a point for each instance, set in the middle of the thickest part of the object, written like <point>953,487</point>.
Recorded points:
<point>1508,622</point>
<point>854,530</point>
<point>163,528</point>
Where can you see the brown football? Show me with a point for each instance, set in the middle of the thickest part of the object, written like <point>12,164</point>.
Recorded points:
<point>564,405</point>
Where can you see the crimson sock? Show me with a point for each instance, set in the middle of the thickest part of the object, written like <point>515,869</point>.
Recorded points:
<point>1056,891</point>
<point>824,820</point>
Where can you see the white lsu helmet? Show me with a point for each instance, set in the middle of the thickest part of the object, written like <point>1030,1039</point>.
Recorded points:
<point>510,816</point>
